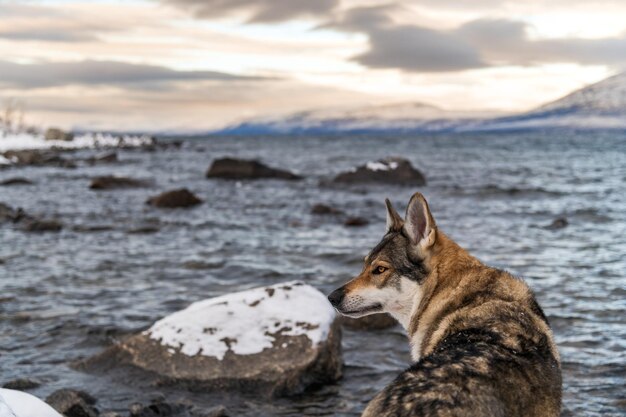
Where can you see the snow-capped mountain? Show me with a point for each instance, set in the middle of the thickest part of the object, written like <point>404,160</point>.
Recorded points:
<point>598,106</point>
<point>404,117</point>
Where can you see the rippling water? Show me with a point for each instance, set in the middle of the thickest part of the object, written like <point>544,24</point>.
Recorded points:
<point>66,296</point>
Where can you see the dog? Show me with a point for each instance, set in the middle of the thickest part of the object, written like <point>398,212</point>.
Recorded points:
<point>480,342</point>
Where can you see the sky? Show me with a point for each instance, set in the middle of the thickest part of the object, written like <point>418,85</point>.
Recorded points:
<point>191,65</point>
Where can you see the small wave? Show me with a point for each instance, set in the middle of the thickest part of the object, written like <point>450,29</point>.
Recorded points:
<point>494,190</point>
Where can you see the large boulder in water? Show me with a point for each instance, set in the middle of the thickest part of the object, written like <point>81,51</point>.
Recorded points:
<point>275,340</point>
<point>388,171</point>
<point>243,169</point>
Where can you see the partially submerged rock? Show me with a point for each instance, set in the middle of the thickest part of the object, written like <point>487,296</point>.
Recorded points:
<point>325,209</point>
<point>73,403</point>
<point>55,133</point>
<point>110,182</point>
<point>355,221</point>
<point>180,198</point>
<point>275,340</point>
<point>21,384</point>
<point>16,181</point>
<point>38,158</point>
<point>558,223</point>
<point>397,171</point>
<point>33,224</point>
<point>243,169</point>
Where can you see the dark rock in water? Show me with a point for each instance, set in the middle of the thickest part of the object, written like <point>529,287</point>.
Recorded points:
<point>143,230</point>
<point>102,158</point>
<point>180,198</point>
<point>198,265</point>
<point>16,181</point>
<point>240,169</point>
<point>238,342</point>
<point>371,322</point>
<point>38,158</point>
<point>220,411</point>
<point>92,228</point>
<point>110,182</point>
<point>73,403</point>
<point>41,225</point>
<point>54,133</point>
<point>323,209</point>
<point>397,171</point>
<point>356,222</point>
<point>8,213</point>
<point>22,384</point>
<point>157,408</point>
<point>558,223</point>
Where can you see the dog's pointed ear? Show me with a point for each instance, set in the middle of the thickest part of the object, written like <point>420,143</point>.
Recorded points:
<point>394,221</point>
<point>419,225</point>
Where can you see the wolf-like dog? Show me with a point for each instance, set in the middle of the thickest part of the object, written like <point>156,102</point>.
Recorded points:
<point>481,345</point>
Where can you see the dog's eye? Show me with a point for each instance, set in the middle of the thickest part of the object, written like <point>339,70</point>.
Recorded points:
<point>380,270</point>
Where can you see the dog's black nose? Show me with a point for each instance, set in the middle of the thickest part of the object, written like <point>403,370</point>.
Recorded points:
<point>336,297</point>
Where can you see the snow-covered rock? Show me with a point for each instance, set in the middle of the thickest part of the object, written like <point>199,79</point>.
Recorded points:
<point>397,171</point>
<point>20,404</point>
<point>276,340</point>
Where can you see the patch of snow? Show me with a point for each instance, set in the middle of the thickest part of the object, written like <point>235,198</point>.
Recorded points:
<point>381,166</point>
<point>21,141</point>
<point>20,404</point>
<point>4,161</point>
<point>246,322</point>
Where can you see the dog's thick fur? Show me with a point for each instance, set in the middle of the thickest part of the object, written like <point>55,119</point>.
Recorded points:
<point>481,344</point>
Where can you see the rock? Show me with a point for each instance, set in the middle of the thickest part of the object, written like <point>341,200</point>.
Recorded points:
<point>371,322</point>
<point>275,340</point>
<point>323,209</point>
<point>102,158</point>
<point>175,199</point>
<point>398,171</point>
<point>41,225</point>
<point>21,384</point>
<point>38,158</point>
<point>54,133</point>
<point>158,408</point>
<point>21,404</point>
<point>109,182</point>
<point>241,169</point>
<point>143,230</point>
<point>199,265</point>
<point>558,223</point>
<point>8,213</point>
<point>16,181</point>
<point>356,222</point>
<point>219,411</point>
<point>73,403</point>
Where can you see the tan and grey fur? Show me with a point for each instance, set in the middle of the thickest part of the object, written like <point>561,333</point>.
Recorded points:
<point>480,343</point>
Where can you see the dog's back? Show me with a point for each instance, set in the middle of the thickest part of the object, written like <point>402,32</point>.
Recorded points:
<point>488,351</point>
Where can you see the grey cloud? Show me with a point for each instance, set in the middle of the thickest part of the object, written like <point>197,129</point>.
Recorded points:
<point>476,44</point>
<point>258,10</point>
<point>410,48</point>
<point>52,74</point>
<point>49,35</point>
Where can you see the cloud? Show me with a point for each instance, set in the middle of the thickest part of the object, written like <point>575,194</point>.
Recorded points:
<point>479,43</point>
<point>55,74</point>
<point>257,10</point>
<point>407,47</point>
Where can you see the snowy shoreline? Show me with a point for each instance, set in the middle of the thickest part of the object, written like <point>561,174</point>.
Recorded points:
<point>26,141</point>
